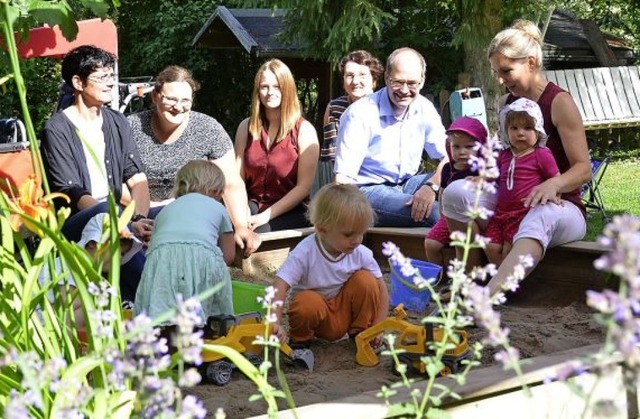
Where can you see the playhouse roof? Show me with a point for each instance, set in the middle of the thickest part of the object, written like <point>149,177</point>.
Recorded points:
<point>566,44</point>
<point>255,30</point>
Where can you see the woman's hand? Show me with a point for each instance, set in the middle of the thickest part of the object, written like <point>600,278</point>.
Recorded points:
<point>247,240</point>
<point>257,220</point>
<point>547,191</point>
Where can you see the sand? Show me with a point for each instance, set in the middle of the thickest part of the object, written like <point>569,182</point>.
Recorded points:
<point>539,325</point>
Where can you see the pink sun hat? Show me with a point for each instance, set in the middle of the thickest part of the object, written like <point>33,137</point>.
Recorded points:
<point>471,127</point>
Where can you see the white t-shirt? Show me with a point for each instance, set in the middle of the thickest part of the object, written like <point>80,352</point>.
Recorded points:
<point>94,147</point>
<point>306,268</point>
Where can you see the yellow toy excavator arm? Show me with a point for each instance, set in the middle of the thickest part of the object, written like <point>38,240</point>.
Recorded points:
<point>411,337</point>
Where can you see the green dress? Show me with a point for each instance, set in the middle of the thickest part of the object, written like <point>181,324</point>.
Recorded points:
<point>184,258</point>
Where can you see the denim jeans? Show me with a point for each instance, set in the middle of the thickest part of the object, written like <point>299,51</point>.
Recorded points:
<point>72,228</point>
<point>389,203</point>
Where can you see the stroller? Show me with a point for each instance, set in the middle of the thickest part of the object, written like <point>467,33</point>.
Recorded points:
<point>131,94</point>
<point>16,164</point>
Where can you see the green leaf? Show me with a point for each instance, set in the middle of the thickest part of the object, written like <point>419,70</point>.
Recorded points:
<point>77,372</point>
<point>99,7</point>
<point>434,413</point>
<point>402,410</point>
<point>122,404</point>
<point>55,13</point>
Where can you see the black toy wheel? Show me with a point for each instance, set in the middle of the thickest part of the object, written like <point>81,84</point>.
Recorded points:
<point>404,360</point>
<point>451,366</point>
<point>219,373</point>
<point>256,360</point>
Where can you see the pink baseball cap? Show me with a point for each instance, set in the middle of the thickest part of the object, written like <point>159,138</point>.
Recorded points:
<point>469,126</point>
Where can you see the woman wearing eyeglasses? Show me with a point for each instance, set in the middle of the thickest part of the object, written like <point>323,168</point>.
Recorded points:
<point>171,134</point>
<point>88,153</point>
<point>277,152</point>
<point>361,72</point>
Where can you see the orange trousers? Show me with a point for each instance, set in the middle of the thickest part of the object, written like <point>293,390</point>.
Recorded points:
<point>355,308</point>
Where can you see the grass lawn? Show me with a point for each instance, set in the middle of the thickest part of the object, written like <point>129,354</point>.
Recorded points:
<point>621,192</point>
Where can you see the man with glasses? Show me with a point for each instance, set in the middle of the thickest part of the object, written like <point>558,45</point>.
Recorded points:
<point>88,150</point>
<point>381,141</point>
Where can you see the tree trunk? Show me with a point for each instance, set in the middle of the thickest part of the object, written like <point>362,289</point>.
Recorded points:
<point>487,21</point>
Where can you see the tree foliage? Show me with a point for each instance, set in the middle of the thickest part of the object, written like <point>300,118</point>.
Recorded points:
<point>156,34</point>
<point>328,28</point>
<point>619,17</point>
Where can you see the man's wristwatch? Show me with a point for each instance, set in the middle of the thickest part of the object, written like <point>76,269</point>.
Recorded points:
<point>435,188</point>
<point>137,217</point>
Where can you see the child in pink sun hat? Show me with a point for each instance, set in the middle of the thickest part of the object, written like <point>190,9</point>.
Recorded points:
<point>463,137</point>
<point>524,164</point>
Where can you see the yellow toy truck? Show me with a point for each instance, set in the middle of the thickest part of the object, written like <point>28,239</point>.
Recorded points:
<point>240,332</point>
<point>413,339</point>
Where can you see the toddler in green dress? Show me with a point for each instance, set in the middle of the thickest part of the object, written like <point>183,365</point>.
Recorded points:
<point>191,246</point>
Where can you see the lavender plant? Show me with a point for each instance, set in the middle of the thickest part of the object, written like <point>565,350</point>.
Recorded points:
<point>468,303</point>
<point>618,310</point>
<point>271,350</point>
<point>48,367</point>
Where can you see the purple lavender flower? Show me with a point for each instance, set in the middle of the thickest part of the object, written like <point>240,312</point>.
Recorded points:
<point>145,349</point>
<point>189,343</point>
<point>190,378</point>
<point>18,405</point>
<point>268,301</point>
<point>398,260</point>
<point>479,304</point>
<point>192,408</point>
<point>567,370</point>
<point>102,291</point>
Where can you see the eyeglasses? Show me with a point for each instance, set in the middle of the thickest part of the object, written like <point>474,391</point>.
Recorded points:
<point>103,79</point>
<point>173,101</point>
<point>349,77</point>
<point>397,84</point>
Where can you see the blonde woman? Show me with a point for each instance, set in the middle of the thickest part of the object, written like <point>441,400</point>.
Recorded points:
<point>277,152</point>
<point>515,55</point>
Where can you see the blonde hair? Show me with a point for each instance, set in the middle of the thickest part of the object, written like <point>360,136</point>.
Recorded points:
<point>289,106</point>
<point>199,176</point>
<point>336,205</point>
<point>521,40</point>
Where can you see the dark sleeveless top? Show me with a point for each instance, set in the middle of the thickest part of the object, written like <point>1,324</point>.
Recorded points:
<point>270,174</point>
<point>554,142</point>
<point>336,109</point>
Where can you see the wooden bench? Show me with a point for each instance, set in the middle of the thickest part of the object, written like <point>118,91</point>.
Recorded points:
<point>567,269</point>
<point>493,392</point>
<point>274,249</point>
<point>607,97</point>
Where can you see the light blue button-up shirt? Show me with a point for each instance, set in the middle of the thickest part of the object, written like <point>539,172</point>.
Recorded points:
<point>375,147</point>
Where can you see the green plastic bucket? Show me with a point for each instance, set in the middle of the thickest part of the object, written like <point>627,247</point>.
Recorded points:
<point>245,297</point>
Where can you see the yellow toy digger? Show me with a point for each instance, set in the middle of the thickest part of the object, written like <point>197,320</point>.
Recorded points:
<point>413,339</point>
<point>239,332</point>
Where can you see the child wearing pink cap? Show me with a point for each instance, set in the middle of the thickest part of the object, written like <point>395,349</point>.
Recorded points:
<point>462,136</point>
<point>524,163</point>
